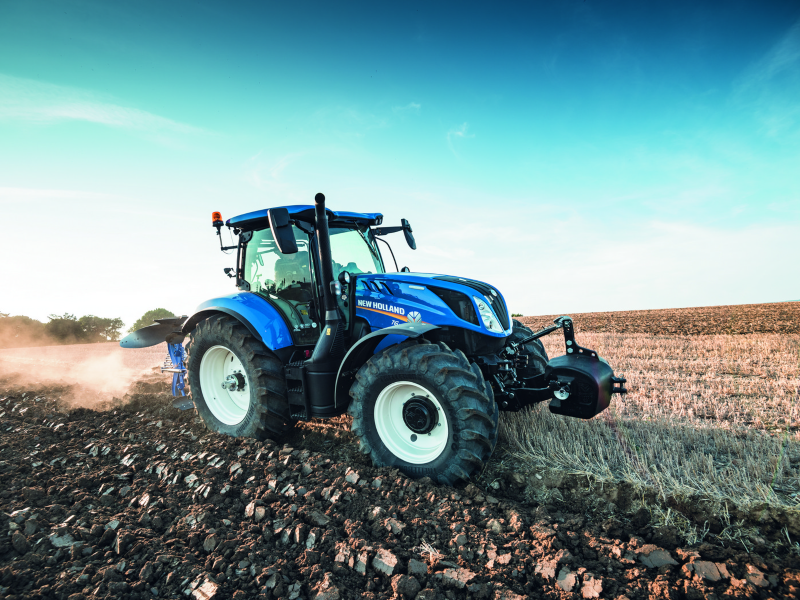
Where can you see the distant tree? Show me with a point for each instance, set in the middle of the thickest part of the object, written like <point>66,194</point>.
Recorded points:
<point>65,328</point>
<point>113,328</point>
<point>149,318</point>
<point>100,329</point>
<point>517,314</point>
<point>18,331</point>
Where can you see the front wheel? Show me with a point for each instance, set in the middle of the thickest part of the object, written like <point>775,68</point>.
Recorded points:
<point>237,383</point>
<point>422,408</point>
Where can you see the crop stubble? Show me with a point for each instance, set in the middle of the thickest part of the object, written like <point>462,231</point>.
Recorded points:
<point>708,416</point>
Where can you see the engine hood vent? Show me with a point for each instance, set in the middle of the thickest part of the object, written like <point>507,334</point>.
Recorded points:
<point>490,293</point>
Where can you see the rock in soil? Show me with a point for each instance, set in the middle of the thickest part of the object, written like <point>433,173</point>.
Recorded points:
<point>138,501</point>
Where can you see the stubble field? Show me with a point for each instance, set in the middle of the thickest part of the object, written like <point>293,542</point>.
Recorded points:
<point>711,422</point>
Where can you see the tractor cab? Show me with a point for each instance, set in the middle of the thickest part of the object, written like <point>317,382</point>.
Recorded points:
<point>289,279</point>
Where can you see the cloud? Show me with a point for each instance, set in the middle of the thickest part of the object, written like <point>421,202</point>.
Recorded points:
<point>411,107</point>
<point>458,133</point>
<point>39,103</point>
<point>783,56</point>
<point>266,173</point>
<point>771,85</point>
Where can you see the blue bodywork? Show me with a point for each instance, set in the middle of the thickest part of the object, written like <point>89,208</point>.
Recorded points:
<point>383,300</point>
<point>387,299</point>
<point>259,316</point>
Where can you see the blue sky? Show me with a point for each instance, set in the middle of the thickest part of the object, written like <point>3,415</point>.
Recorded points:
<point>581,156</point>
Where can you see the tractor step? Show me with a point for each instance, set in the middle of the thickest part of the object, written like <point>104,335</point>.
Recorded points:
<point>299,403</point>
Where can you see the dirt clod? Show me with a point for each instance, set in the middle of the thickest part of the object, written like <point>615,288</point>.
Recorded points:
<point>592,586</point>
<point>406,586</point>
<point>20,543</point>
<point>654,557</point>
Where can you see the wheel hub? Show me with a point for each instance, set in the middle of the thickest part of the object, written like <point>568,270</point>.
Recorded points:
<point>234,382</point>
<point>411,422</point>
<point>420,415</point>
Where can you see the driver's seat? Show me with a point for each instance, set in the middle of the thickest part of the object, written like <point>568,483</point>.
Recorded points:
<point>292,269</point>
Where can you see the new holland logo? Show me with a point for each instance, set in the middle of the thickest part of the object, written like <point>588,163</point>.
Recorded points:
<point>381,307</point>
<point>414,316</point>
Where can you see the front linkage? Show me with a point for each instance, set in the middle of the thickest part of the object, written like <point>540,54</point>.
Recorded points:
<point>580,382</point>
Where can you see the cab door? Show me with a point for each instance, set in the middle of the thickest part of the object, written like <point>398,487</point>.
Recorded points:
<point>284,280</point>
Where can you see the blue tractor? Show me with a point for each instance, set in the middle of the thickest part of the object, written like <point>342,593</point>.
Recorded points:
<point>423,363</point>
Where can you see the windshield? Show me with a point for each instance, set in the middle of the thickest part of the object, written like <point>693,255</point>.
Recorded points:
<point>354,252</point>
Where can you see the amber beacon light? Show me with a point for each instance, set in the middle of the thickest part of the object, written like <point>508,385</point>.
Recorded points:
<point>216,219</point>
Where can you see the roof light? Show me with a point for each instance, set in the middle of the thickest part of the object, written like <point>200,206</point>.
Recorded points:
<point>216,219</point>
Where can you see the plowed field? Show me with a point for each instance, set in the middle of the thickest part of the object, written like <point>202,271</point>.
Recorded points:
<point>132,498</point>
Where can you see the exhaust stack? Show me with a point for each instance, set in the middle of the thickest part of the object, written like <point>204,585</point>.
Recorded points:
<point>325,258</point>
<point>321,369</point>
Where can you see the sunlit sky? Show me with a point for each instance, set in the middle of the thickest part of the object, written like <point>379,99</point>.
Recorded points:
<point>580,155</point>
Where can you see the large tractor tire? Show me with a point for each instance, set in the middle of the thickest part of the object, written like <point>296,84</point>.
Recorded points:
<point>537,355</point>
<point>422,408</point>
<point>237,383</point>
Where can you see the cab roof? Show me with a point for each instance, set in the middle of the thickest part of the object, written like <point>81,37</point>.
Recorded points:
<point>302,212</point>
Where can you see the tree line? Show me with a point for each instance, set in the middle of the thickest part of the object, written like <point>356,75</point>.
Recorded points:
<point>19,331</point>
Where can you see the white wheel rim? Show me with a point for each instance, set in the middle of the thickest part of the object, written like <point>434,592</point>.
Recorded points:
<point>395,434</point>
<point>229,407</point>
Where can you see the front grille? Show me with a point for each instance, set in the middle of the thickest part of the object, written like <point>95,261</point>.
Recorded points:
<point>495,301</point>
<point>459,303</point>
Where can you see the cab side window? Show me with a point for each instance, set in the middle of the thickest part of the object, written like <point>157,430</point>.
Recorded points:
<point>286,279</point>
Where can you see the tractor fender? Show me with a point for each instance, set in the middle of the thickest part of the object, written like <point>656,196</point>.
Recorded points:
<point>360,352</point>
<point>261,318</point>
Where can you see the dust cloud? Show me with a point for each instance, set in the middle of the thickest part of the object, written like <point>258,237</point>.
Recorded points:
<point>83,375</point>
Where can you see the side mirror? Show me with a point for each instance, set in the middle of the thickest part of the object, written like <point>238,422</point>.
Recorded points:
<point>407,232</point>
<point>282,230</point>
<point>405,270</point>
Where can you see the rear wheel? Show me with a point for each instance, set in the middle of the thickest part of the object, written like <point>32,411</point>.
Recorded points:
<point>237,383</point>
<point>424,409</point>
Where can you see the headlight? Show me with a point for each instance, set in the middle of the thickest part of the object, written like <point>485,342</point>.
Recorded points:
<point>487,316</point>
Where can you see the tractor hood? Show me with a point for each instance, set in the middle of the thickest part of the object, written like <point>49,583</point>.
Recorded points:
<point>386,299</point>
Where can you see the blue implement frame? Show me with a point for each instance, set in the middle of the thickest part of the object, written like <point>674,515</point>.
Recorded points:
<point>176,364</point>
